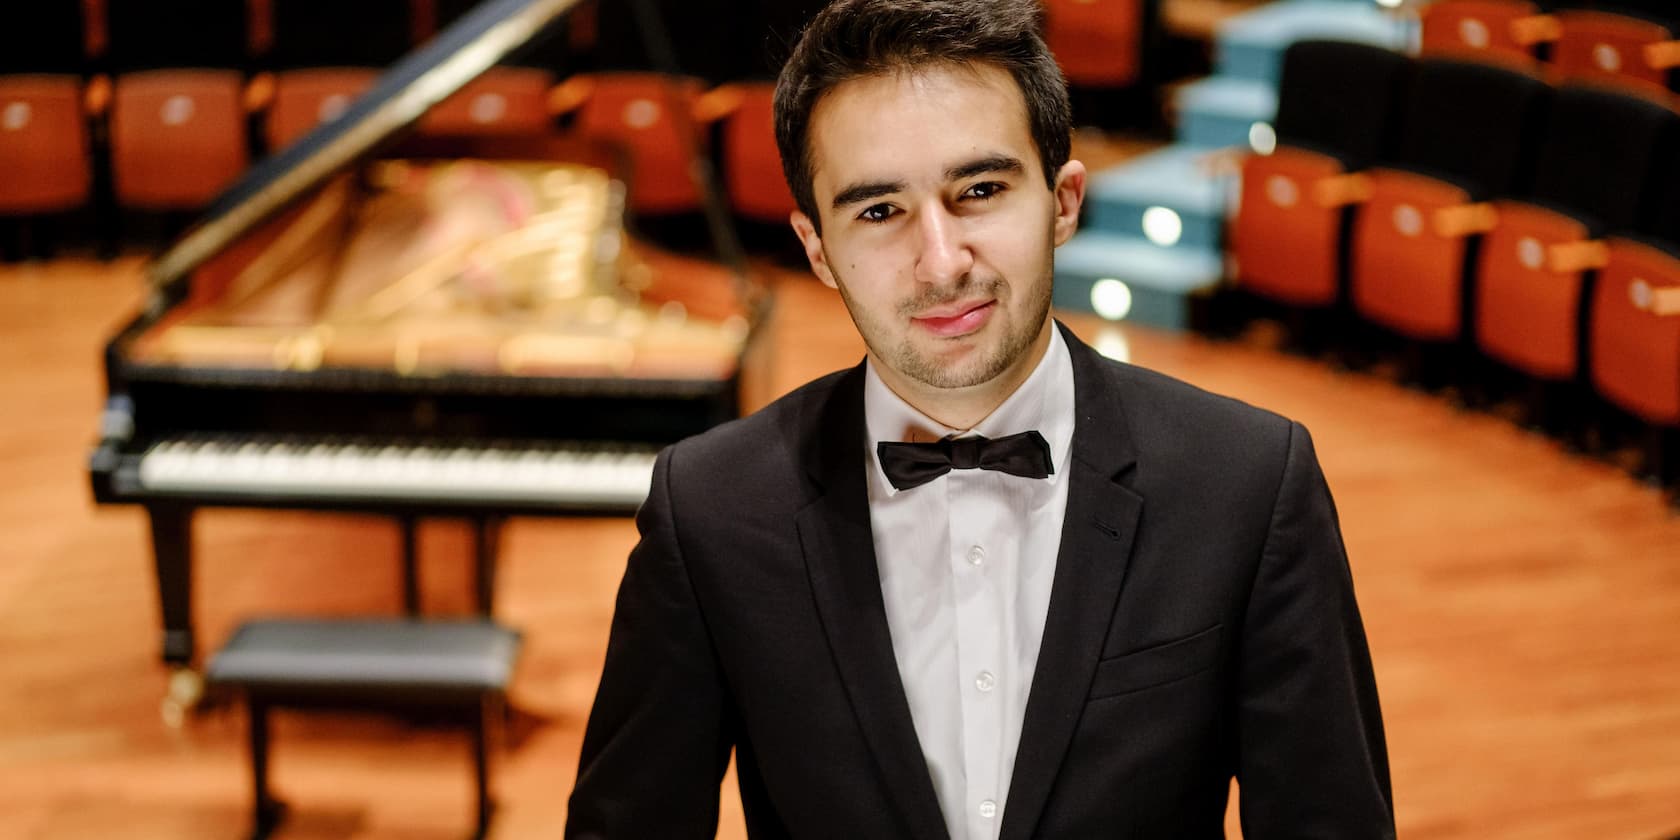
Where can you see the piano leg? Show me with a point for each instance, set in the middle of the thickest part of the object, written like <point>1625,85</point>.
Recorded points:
<point>487,531</point>
<point>172,554</point>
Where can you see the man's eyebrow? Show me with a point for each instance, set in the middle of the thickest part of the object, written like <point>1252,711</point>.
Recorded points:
<point>991,163</point>
<point>866,191</point>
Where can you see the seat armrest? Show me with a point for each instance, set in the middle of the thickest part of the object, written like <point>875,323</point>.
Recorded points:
<point>1575,257</point>
<point>1465,220</point>
<point>1536,29</point>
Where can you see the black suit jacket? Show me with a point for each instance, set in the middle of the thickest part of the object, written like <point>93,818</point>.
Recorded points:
<point>1202,625</point>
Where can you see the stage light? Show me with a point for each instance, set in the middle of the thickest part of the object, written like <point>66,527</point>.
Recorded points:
<point>1111,299</point>
<point>1162,226</point>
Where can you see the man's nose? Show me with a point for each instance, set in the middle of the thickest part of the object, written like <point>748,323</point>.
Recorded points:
<point>946,255</point>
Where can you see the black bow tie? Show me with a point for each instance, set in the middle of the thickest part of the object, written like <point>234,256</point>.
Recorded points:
<point>910,465</point>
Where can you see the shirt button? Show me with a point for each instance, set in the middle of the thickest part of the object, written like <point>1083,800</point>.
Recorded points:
<point>985,681</point>
<point>988,809</point>
<point>976,556</point>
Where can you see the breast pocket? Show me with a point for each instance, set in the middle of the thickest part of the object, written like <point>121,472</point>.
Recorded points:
<point>1157,664</point>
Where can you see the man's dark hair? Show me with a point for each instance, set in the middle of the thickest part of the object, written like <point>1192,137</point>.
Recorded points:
<point>851,39</point>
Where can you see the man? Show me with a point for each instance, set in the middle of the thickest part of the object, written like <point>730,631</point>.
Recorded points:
<point>986,584</point>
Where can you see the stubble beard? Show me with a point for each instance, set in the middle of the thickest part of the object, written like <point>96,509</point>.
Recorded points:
<point>910,361</point>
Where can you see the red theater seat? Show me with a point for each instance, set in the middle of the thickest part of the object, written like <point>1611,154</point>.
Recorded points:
<point>505,102</point>
<point>634,112</point>
<point>1595,158</point>
<point>1098,43</point>
<point>1336,107</point>
<point>44,165</point>
<point>303,99</point>
<point>751,163</point>
<point>1485,30</point>
<point>1623,50</point>
<point>177,137</point>
<point>1464,139</point>
<point>1635,330</point>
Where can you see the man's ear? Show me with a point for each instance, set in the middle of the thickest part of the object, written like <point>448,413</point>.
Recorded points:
<point>1070,196</point>
<point>812,241</point>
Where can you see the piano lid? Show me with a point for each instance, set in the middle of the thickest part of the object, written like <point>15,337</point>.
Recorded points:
<point>404,93</point>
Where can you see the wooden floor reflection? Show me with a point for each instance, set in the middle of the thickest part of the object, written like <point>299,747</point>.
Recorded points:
<point>1523,607</point>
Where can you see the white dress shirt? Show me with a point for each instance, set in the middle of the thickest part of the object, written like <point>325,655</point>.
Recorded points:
<point>966,563</point>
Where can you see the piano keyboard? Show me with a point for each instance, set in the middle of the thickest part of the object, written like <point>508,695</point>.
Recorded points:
<point>587,474</point>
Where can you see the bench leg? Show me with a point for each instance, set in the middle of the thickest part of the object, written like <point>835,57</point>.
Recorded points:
<point>487,543</point>
<point>266,811</point>
<point>411,565</point>
<point>485,730</point>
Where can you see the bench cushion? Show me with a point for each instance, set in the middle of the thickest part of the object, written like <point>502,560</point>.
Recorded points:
<point>367,660</point>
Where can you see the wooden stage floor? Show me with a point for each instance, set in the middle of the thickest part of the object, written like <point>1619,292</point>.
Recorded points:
<point>1523,607</point>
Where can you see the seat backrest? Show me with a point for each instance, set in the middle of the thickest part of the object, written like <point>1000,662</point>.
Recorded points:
<point>1473,124</point>
<point>1479,29</point>
<point>161,34</point>
<point>1341,98</point>
<point>1607,44</point>
<point>42,36</point>
<point>44,162</point>
<point>752,162</point>
<point>634,112</point>
<point>1597,152</point>
<point>1096,42</point>
<point>334,33</point>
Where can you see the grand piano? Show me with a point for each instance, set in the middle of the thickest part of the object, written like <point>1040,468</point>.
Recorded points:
<point>376,323</point>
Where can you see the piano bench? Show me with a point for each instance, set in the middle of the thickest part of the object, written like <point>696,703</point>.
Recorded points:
<point>456,668</point>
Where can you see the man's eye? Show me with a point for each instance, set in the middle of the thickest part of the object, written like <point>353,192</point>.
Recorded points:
<point>876,213</point>
<point>984,190</point>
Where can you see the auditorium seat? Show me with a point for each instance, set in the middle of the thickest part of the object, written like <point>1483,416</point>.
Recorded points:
<point>177,118</point>
<point>1628,43</point>
<point>1486,30</point>
<point>509,101</point>
<point>324,55</point>
<point>1634,324</point>
<point>45,159</point>
<point>633,111</point>
<point>752,165</point>
<point>177,137</point>
<point>1596,152</point>
<point>1098,43</point>
<point>304,98</point>
<point>1467,136</point>
<point>1336,110</point>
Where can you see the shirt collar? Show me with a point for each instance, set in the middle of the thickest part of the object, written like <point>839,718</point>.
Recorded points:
<point>1043,402</point>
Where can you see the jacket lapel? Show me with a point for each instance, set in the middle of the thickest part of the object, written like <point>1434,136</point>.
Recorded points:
<point>839,548</point>
<point>1097,535</point>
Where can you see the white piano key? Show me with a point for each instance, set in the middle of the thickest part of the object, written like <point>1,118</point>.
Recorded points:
<point>593,473</point>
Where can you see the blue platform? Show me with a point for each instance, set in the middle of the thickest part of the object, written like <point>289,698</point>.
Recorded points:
<point>1221,110</point>
<point>1175,179</point>
<point>1159,268</point>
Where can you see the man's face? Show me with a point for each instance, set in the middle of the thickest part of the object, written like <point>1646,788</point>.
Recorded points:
<point>937,225</point>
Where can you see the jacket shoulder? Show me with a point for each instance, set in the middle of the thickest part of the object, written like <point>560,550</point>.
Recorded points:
<point>761,446</point>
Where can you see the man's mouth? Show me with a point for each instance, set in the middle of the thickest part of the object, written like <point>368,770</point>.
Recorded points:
<point>956,319</point>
